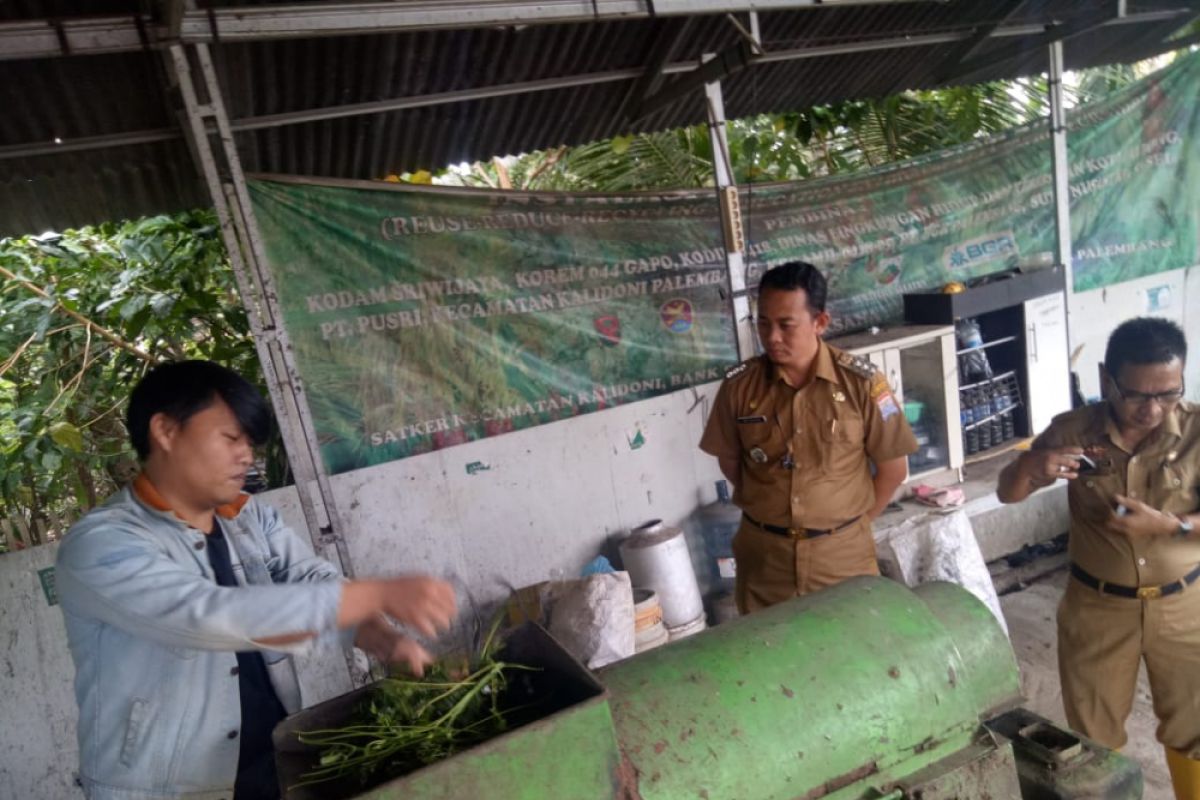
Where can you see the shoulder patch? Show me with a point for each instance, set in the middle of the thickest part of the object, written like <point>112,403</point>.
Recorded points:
<point>857,364</point>
<point>738,369</point>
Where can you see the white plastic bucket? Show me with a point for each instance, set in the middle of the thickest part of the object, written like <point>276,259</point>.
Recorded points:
<point>654,636</point>
<point>646,611</point>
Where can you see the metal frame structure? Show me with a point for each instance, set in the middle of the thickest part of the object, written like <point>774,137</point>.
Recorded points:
<point>191,69</point>
<point>114,34</point>
<point>117,34</point>
<point>1061,184</point>
<point>735,261</point>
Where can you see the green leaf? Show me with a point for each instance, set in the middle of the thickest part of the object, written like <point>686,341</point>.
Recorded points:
<point>132,306</point>
<point>51,461</point>
<point>621,144</point>
<point>42,325</point>
<point>67,435</point>
<point>162,303</point>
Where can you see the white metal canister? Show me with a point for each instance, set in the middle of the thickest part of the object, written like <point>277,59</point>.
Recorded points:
<point>656,557</point>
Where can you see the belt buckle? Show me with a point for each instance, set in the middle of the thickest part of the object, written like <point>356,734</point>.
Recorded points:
<point>1149,592</point>
<point>798,533</point>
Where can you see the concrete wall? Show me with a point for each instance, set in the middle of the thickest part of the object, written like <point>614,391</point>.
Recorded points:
<point>1093,315</point>
<point>535,501</point>
<point>38,755</point>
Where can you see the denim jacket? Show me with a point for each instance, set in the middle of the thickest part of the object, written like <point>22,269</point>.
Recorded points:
<point>154,638</point>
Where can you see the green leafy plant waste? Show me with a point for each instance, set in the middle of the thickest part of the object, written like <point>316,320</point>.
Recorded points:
<point>407,724</point>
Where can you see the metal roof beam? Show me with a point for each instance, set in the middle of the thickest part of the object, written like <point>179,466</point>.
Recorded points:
<point>47,38</point>
<point>44,38</point>
<point>57,147</point>
<point>666,46</point>
<point>434,99</point>
<point>967,48</point>
<point>725,63</point>
<point>274,22</point>
<point>1054,33</point>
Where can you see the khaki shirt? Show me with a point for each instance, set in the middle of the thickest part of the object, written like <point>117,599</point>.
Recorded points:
<point>1163,472</point>
<point>845,415</point>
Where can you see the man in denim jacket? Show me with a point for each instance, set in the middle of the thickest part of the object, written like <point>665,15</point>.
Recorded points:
<point>182,598</point>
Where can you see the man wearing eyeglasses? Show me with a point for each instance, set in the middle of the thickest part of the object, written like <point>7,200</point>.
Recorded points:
<point>797,432</point>
<point>1133,462</point>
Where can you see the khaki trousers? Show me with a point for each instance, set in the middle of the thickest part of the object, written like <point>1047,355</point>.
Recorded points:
<point>1101,641</point>
<point>773,568</point>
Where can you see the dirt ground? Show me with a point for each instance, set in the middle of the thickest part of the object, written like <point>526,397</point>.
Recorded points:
<point>1030,614</point>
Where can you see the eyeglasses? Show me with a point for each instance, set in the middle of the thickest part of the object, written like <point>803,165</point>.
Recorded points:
<point>1142,398</point>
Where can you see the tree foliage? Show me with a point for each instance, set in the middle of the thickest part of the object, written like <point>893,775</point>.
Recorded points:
<point>83,315</point>
<point>796,145</point>
<point>815,142</point>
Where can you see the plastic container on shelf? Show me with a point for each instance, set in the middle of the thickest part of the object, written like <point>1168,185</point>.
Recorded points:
<point>971,432</point>
<point>973,364</point>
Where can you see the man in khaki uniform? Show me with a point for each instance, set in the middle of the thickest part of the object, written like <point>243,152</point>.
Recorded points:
<point>796,431</point>
<point>1133,462</point>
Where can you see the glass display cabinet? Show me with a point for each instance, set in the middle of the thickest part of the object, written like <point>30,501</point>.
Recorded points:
<point>920,363</point>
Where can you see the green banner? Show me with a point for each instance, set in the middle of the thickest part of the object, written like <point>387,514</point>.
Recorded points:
<point>424,318</point>
<point>987,207</point>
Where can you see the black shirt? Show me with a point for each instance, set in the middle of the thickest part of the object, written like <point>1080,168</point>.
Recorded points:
<point>261,709</point>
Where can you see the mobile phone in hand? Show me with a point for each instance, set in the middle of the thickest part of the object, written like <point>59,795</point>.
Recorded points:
<point>1087,465</point>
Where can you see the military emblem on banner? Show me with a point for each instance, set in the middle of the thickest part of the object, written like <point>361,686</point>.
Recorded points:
<point>676,315</point>
<point>609,328</point>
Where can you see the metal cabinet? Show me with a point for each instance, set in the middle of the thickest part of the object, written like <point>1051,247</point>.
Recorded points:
<point>1014,367</point>
<point>919,363</point>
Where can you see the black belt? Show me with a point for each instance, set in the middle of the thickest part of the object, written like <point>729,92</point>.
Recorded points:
<point>798,533</point>
<point>1133,592</point>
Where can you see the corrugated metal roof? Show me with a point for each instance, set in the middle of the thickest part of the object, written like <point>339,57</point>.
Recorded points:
<point>78,97</point>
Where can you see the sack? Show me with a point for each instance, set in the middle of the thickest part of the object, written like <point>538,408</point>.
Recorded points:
<point>592,617</point>
<point>939,547</point>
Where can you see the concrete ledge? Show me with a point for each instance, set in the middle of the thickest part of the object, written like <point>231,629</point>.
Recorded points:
<point>1002,529</point>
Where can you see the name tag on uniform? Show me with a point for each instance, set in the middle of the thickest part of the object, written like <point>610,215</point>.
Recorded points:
<point>751,420</point>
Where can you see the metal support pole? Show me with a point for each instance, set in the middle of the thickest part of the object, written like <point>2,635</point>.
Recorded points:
<point>1062,189</point>
<point>191,69</point>
<point>731,223</point>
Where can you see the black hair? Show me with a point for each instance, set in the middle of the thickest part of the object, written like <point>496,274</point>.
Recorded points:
<point>797,275</point>
<point>1144,340</point>
<point>182,389</point>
